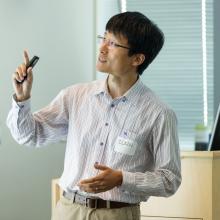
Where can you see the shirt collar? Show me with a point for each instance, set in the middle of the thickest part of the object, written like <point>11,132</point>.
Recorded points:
<point>101,87</point>
<point>134,92</point>
<point>131,95</point>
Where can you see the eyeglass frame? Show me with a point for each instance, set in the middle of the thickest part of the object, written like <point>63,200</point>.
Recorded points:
<point>113,44</point>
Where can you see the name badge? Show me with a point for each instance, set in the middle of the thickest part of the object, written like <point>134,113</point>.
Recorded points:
<point>125,146</point>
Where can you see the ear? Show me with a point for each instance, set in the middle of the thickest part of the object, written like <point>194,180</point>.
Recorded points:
<point>138,59</point>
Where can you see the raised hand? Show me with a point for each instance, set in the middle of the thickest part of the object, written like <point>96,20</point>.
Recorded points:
<point>23,89</point>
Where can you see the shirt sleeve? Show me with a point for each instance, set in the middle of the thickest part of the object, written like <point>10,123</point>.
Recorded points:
<point>47,125</point>
<point>165,179</point>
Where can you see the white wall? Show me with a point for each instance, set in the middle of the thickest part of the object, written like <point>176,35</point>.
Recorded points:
<point>62,34</point>
<point>105,9</point>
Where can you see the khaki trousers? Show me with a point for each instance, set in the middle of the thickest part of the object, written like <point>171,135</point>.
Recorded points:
<point>66,210</point>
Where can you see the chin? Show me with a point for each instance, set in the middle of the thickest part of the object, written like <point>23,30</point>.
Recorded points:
<point>101,68</point>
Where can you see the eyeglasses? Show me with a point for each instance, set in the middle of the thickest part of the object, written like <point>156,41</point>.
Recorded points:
<point>110,43</point>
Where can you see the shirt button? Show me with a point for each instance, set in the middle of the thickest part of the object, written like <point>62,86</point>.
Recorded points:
<point>101,143</point>
<point>106,124</point>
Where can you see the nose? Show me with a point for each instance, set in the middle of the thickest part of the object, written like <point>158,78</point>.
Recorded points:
<point>103,48</point>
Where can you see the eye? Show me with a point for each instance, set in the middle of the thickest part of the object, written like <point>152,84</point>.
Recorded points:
<point>111,43</point>
<point>103,39</point>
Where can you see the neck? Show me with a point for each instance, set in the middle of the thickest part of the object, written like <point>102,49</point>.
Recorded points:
<point>118,86</point>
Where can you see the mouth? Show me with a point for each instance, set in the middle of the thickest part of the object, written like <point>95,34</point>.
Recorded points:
<point>102,60</point>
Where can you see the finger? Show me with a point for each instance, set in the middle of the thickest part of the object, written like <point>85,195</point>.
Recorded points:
<point>86,188</point>
<point>92,188</point>
<point>23,68</point>
<point>87,181</point>
<point>26,57</point>
<point>19,74</point>
<point>100,167</point>
<point>91,185</point>
<point>16,77</point>
<point>98,189</point>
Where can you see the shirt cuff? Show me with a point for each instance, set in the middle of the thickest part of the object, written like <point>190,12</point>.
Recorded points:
<point>24,104</point>
<point>128,183</point>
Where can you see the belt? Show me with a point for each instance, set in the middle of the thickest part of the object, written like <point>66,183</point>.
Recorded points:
<point>94,203</point>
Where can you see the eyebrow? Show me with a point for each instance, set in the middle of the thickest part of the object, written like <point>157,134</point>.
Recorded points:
<point>115,40</point>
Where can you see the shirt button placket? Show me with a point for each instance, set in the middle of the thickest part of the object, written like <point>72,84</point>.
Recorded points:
<point>105,132</point>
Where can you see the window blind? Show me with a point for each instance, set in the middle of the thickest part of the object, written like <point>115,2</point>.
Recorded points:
<point>177,74</point>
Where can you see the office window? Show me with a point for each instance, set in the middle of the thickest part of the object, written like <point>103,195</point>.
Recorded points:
<point>182,74</point>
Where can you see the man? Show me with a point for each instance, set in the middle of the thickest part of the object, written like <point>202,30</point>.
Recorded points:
<point>122,143</point>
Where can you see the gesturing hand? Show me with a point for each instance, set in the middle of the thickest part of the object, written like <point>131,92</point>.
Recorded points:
<point>106,180</point>
<point>23,90</point>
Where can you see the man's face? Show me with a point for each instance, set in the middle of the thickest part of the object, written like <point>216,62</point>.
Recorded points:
<point>113,59</point>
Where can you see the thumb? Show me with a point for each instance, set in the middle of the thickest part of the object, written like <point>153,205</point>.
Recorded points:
<point>100,167</point>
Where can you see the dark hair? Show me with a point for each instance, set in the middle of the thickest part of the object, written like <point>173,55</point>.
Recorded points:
<point>142,34</point>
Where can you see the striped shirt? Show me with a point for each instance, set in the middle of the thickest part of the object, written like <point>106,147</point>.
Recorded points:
<point>135,133</point>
